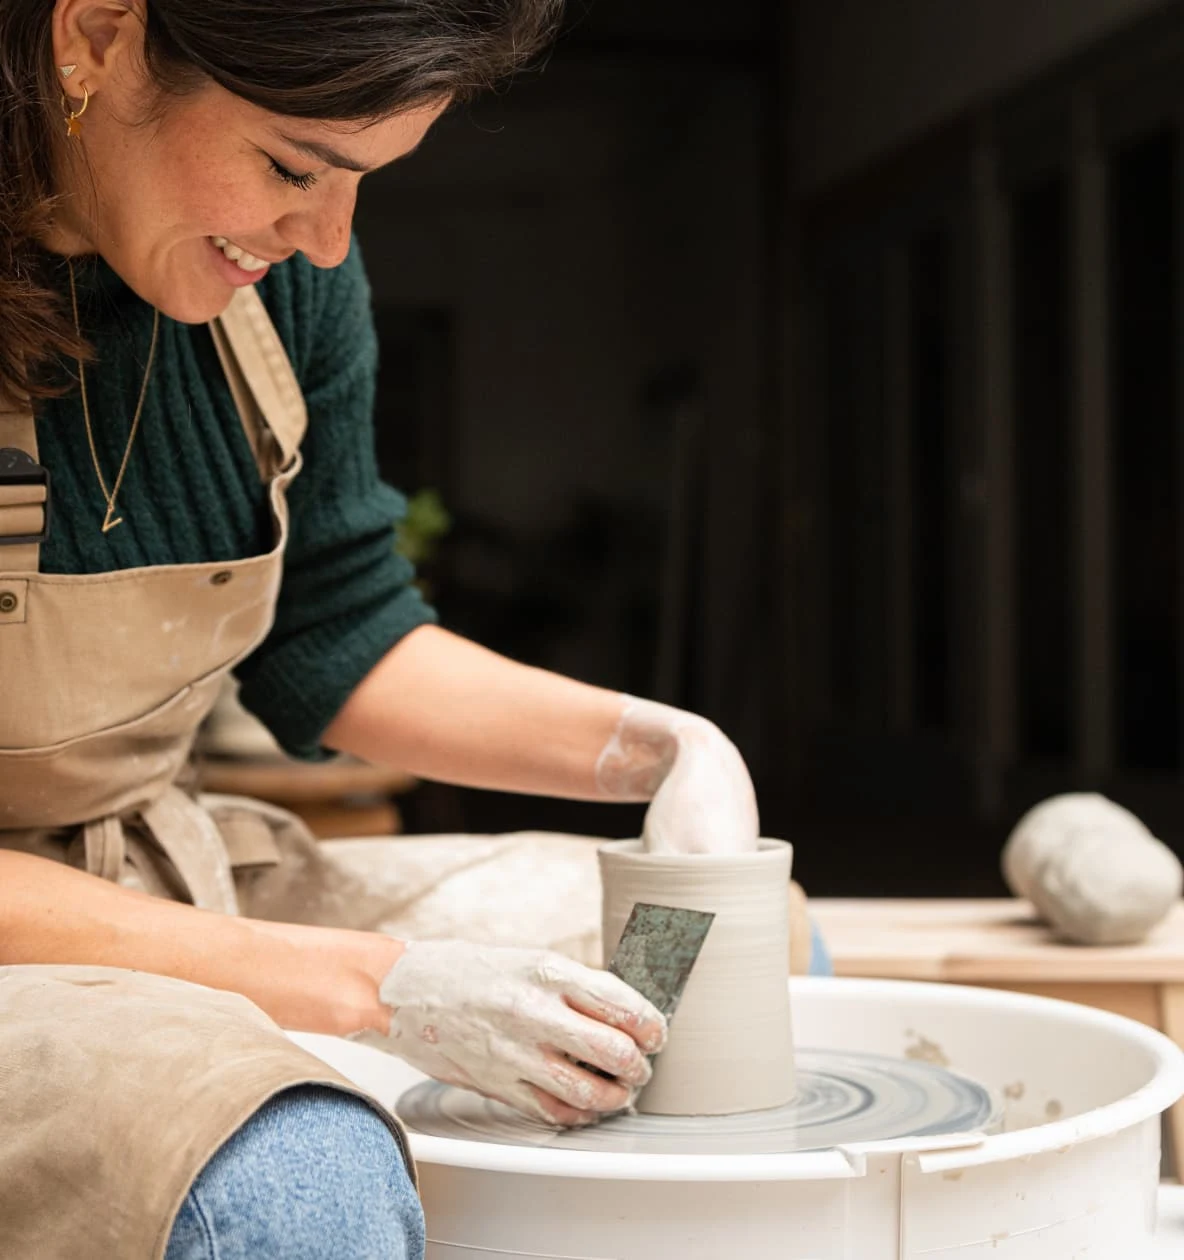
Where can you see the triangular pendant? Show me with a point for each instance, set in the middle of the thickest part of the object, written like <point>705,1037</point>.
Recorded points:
<point>108,523</point>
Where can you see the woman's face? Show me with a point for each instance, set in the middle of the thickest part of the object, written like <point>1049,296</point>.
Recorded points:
<point>158,198</point>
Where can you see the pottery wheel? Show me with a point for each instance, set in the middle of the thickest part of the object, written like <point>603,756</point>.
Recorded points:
<point>843,1098</point>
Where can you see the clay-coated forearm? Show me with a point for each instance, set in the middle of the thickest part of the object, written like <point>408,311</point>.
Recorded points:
<point>306,978</point>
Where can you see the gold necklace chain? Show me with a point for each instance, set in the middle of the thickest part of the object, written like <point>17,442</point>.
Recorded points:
<point>110,520</point>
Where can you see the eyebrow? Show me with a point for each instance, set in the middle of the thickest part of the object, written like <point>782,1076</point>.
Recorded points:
<point>325,153</point>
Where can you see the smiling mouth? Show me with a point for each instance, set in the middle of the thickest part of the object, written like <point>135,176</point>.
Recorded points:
<point>239,256</point>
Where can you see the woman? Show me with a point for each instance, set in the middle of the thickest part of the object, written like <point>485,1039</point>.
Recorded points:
<point>187,488</point>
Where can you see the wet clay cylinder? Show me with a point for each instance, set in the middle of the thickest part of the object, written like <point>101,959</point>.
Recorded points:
<point>731,1039</point>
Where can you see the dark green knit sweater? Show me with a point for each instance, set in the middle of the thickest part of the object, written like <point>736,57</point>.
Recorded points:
<point>192,492</point>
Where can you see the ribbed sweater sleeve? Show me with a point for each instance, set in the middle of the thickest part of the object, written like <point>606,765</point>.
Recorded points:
<point>347,597</point>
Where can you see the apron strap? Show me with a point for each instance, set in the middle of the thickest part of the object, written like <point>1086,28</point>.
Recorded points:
<point>261,379</point>
<point>191,840</point>
<point>105,847</point>
<point>24,494</point>
<point>181,830</point>
<point>263,446</point>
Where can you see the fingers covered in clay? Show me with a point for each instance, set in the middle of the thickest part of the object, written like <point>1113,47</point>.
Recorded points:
<point>578,1088</point>
<point>550,1110</point>
<point>608,999</point>
<point>606,1022</point>
<point>552,1088</point>
<point>536,1103</point>
<point>605,1048</point>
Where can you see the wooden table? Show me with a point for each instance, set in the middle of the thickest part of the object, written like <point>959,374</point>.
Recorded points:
<point>1001,945</point>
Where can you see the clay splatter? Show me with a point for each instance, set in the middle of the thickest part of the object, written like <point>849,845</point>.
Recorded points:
<point>925,1051</point>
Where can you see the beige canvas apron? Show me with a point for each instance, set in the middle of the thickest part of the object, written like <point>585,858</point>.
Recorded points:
<point>116,1087</point>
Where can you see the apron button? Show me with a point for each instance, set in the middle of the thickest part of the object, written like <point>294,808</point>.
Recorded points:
<point>9,603</point>
<point>221,577</point>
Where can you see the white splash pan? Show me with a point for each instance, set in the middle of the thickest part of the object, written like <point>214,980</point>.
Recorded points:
<point>1074,1173</point>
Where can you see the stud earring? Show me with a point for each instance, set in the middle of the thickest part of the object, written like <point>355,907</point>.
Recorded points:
<point>67,71</point>
<point>74,118</point>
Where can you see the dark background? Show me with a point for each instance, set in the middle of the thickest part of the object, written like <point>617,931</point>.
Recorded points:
<point>816,366</point>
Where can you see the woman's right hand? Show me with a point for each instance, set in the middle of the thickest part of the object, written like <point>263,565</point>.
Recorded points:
<point>514,1025</point>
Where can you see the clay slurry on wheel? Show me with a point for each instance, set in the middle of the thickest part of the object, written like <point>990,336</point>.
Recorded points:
<point>844,1097</point>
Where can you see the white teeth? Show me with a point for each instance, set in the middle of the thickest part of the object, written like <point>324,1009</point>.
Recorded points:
<point>248,262</point>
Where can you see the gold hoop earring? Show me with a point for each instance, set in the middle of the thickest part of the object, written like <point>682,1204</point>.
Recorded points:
<point>73,120</point>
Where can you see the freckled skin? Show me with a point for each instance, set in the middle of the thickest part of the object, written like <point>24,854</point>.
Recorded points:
<point>201,169</point>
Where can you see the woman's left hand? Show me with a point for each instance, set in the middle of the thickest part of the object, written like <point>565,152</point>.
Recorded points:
<point>700,793</point>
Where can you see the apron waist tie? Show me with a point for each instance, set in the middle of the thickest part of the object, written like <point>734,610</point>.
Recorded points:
<point>105,848</point>
<point>182,830</point>
<point>192,842</point>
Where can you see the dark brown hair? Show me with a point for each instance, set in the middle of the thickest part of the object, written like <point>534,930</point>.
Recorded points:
<point>326,60</point>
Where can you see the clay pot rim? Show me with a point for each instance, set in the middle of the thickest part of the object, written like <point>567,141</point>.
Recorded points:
<point>768,852</point>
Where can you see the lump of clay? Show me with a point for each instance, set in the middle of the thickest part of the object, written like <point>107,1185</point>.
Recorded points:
<point>1092,869</point>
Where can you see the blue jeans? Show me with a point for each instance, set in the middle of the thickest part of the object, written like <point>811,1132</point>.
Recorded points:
<point>820,962</point>
<point>314,1174</point>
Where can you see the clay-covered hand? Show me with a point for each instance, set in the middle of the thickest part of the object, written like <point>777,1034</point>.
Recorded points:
<point>513,1024</point>
<point>700,793</point>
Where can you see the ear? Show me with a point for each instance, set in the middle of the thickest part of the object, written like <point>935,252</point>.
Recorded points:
<point>97,36</point>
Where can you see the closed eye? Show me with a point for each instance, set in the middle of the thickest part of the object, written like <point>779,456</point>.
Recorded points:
<point>303,182</point>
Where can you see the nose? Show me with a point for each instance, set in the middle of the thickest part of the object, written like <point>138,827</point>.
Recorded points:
<point>322,233</point>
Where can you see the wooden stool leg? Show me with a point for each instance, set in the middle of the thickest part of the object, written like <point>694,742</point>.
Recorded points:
<point>1172,1024</point>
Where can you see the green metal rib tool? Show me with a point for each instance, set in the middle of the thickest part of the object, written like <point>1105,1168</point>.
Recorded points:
<point>658,948</point>
<point>657,951</point>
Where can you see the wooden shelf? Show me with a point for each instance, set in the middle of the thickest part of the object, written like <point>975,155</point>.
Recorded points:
<point>972,942</point>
